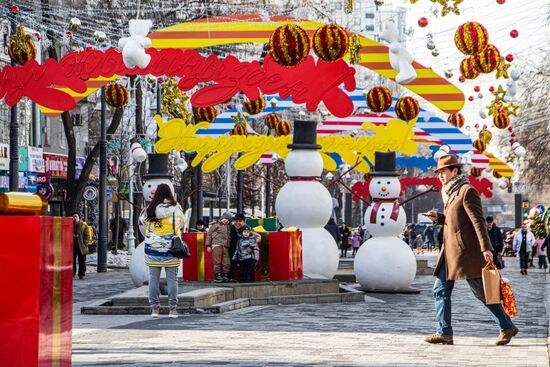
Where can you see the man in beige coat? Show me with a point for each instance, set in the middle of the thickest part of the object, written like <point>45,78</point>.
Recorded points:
<point>466,246</point>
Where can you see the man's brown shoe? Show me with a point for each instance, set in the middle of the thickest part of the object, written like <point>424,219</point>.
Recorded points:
<point>439,339</point>
<point>505,336</point>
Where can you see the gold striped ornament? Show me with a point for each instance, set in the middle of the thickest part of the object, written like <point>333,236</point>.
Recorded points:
<point>206,114</point>
<point>330,42</point>
<point>501,119</point>
<point>116,95</point>
<point>379,99</point>
<point>239,129</point>
<point>479,145</point>
<point>485,136</point>
<point>254,107</point>
<point>471,38</point>
<point>468,68</point>
<point>456,119</point>
<point>407,108</point>
<point>22,48</point>
<point>496,174</point>
<point>476,172</point>
<point>289,45</point>
<point>272,120</point>
<point>488,60</point>
<point>283,128</point>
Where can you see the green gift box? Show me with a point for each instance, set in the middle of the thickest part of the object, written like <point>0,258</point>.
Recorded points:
<point>269,224</point>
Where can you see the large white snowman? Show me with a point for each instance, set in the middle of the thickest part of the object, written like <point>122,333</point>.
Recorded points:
<point>305,203</point>
<point>385,262</point>
<point>157,174</point>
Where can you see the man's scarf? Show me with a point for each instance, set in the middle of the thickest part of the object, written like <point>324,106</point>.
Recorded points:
<point>453,186</point>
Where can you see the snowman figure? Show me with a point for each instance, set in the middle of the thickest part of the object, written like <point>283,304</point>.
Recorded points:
<point>385,262</point>
<point>157,174</point>
<point>305,203</point>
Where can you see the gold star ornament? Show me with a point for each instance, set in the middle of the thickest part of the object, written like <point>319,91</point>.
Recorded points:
<point>502,70</point>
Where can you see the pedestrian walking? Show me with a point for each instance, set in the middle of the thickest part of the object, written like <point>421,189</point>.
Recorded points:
<point>81,238</point>
<point>164,220</point>
<point>429,237</point>
<point>545,247</point>
<point>345,241</point>
<point>495,235</point>
<point>465,251</point>
<point>218,242</point>
<point>247,254</point>
<point>356,242</point>
<point>541,252</point>
<point>523,241</point>
<point>334,230</point>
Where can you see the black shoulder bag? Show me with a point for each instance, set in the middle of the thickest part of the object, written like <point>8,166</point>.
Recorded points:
<point>179,248</point>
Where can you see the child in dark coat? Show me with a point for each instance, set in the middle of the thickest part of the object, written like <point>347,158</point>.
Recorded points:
<point>247,253</point>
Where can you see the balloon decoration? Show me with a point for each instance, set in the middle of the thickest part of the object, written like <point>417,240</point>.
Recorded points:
<point>468,69</point>
<point>239,129</point>
<point>479,145</point>
<point>272,120</point>
<point>476,172</point>
<point>289,45</point>
<point>330,42</point>
<point>487,60</point>
<point>501,119</point>
<point>22,48</point>
<point>379,99</point>
<point>116,95</point>
<point>282,128</point>
<point>206,114</point>
<point>407,108</point>
<point>471,38</point>
<point>254,107</point>
<point>456,119</point>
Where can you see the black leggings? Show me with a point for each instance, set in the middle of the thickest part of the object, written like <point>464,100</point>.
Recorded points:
<point>523,260</point>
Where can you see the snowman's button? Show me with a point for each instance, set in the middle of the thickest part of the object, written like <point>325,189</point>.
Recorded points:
<point>382,217</point>
<point>383,209</point>
<point>382,223</point>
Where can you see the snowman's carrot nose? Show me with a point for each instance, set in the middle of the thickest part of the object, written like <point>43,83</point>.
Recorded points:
<point>384,189</point>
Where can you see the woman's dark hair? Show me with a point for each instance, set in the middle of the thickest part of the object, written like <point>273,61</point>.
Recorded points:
<point>162,195</point>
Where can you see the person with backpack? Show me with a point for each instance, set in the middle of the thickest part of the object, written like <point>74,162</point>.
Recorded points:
<point>164,220</point>
<point>81,239</point>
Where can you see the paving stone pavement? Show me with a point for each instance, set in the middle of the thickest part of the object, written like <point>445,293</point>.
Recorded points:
<point>96,286</point>
<point>385,330</point>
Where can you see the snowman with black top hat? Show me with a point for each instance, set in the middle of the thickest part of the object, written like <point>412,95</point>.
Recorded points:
<point>385,262</point>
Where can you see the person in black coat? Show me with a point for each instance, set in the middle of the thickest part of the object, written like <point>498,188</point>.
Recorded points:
<point>495,234</point>
<point>345,244</point>
<point>332,228</point>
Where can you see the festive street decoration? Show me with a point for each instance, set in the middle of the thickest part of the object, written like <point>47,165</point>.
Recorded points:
<point>407,108</point>
<point>501,119</point>
<point>400,59</point>
<point>272,120</point>
<point>479,145</point>
<point>75,23</point>
<point>254,107</point>
<point>468,69</point>
<point>423,22</point>
<point>496,174</point>
<point>485,135</point>
<point>512,88</point>
<point>456,119</point>
<point>514,33</point>
<point>379,99</point>
<point>116,95</point>
<point>22,48</point>
<point>354,49</point>
<point>471,38</point>
<point>282,128</point>
<point>330,42</point>
<point>206,114</point>
<point>289,45</point>
<point>502,69</point>
<point>239,129</point>
<point>174,101</point>
<point>476,172</point>
<point>133,47</point>
<point>487,60</point>
<point>348,6</point>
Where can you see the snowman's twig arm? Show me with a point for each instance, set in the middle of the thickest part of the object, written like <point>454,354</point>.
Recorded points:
<point>337,179</point>
<point>433,188</point>
<point>351,190</point>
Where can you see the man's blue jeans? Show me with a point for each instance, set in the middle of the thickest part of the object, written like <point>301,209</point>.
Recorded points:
<point>443,289</point>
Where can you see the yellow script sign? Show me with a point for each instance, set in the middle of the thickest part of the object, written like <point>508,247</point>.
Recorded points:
<point>175,134</point>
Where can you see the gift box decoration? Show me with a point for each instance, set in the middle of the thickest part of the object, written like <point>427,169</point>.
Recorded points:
<point>199,266</point>
<point>36,261</point>
<point>269,224</point>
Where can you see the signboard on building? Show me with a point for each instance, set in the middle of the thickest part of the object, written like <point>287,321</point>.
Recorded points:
<point>55,164</point>
<point>4,156</point>
<point>35,160</point>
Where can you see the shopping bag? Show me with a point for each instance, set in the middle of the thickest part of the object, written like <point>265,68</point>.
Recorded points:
<point>508,299</point>
<point>491,284</point>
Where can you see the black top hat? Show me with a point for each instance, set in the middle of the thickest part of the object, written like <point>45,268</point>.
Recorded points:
<point>305,135</point>
<point>158,166</point>
<point>384,164</point>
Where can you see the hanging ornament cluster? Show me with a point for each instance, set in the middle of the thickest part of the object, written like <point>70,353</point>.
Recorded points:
<point>254,107</point>
<point>115,95</point>
<point>174,101</point>
<point>272,120</point>
<point>22,48</point>
<point>456,119</point>
<point>379,99</point>
<point>407,108</point>
<point>239,129</point>
<point>330,42</point>
<point>354,49</point>
<point>289,45</point>
<point>448,6</point>
<point>282,128</point>
<point>206,114</point>
<point>472,39</point>
<point>348,6</point>
<point>479,145</point>
<point>487,60</point>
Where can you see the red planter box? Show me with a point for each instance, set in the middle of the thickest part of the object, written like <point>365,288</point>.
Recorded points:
<point>36,260</point>
<point>280,257</point>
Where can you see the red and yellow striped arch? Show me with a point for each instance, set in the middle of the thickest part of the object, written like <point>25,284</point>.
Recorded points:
<point>237,29</point>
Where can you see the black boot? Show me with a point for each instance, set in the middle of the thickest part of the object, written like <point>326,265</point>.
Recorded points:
<point>218,278</point>
<point>227,278</point>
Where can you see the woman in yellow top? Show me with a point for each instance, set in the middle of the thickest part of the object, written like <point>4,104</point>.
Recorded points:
<point>164,220</point>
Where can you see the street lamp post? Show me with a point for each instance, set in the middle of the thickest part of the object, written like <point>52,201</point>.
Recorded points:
<point>14,134</point>
<point>102,240</point>
<point>131,237</point>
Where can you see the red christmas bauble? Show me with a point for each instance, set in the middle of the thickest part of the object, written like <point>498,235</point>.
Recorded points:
<point>471,38</point>
<point>509,57</point>
<point>461,79</point>
<point>206,114</point>
<point>254,107</point>
<point>116,95</point>
<point>456,119</point>
<point>289,45</point>
<point>14,9</point>
<point>501,2</point>
<point>330,42</point>
<point>477,88</point>
<point>510,128</point>
<point>488,60</point>
<point>471,98</point>
<point>379,99</point>
<point>491,89</point>
<point>407,108</point>
<point>423,22</point>
<point>514,33</point>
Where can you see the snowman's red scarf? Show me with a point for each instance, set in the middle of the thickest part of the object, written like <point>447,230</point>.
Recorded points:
<point>376,203</point>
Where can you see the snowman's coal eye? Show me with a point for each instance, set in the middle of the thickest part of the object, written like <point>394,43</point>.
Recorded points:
<point>379,182</point>
<point>389,182</point>
<point>148,185</point>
